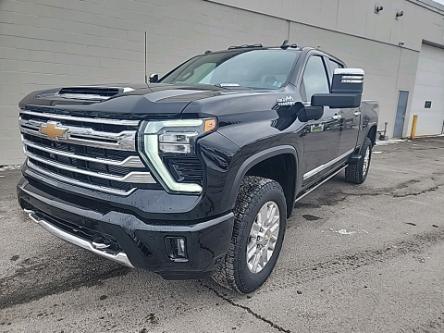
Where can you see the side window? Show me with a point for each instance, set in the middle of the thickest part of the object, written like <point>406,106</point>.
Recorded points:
<point>315,80</point>
<point>333,65</point>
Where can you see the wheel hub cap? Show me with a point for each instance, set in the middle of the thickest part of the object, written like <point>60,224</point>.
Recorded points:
<point>263,237</point>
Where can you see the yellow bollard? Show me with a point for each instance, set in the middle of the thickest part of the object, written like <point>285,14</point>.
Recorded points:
<point>414,124</point>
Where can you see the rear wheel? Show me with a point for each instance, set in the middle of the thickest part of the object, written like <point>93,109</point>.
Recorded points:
<point>258,233</point>
<point>356,173</point>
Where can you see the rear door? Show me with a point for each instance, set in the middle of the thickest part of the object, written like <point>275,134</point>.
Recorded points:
<point>349,119</point>
<point>321,137</point>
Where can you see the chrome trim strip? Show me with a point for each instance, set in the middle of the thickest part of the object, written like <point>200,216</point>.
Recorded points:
<point>87,96</point>
<point>132,177</point>
<point>129,162</point>
<point>121,122</point>
<point>321,183</point>
<point>353,77</point>
<point>124,89</point>
<point>322,167</point>
<point>352,81</point>
<point>84,96</point>
<point>73,181</point>
<point>119,257</point>
<point>349,71</point>
<point>125,140</point>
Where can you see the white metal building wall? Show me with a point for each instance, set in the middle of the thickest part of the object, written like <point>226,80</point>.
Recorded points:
<point>53,43</point>
<point>429,87</point>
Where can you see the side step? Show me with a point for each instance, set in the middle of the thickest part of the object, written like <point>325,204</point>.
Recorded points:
<point>314,187</point>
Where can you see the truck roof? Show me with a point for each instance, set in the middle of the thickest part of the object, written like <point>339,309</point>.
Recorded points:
<point>284,48</point>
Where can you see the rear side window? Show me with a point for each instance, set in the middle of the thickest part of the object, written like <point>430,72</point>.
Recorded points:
<point>333,65</point>
<point>314,79</point>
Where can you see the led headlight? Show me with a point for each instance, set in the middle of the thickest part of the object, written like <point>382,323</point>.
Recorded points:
<point>177,142</point>
<point>172,137</point>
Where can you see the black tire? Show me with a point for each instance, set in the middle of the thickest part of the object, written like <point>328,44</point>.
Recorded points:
<point>232,271</point>
<point>356,173</point>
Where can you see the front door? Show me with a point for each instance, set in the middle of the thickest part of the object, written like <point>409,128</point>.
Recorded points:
<point>349,119</point>
<point>321,137</point>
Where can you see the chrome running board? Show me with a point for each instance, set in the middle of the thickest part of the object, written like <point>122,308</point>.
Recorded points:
<point>319,184</point>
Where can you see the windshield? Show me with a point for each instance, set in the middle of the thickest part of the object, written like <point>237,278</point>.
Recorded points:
<point>261,69</point>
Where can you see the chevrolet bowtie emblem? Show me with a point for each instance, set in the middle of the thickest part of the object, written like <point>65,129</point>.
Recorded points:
<point>53,130</point>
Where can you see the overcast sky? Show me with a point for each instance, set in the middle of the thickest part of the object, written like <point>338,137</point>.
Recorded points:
<point>440,1</point>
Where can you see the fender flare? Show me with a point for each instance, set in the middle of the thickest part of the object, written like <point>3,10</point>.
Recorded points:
<point>370,127</point>
<point>256,159</point>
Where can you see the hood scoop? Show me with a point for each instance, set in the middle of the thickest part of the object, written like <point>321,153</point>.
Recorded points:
<point>95,93</point>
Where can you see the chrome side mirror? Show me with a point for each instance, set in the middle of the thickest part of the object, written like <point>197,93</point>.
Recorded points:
<point>348,81</point>
<point>346,89</point>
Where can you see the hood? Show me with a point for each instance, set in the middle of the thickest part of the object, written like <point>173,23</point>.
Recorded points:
<point>121,100</point>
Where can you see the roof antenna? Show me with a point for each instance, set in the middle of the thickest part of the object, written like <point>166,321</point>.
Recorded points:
<point>145,62</point>
<point>146,75</point>
<point>285,45</point>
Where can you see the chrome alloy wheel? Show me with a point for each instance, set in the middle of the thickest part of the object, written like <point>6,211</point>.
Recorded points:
<point>263,237</point>
<point>366,161</point>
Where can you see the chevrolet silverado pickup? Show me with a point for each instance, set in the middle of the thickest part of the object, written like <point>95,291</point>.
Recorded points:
<point>196,172</point>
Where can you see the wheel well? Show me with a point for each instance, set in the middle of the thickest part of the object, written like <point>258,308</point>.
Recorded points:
<point>281,168</point>
<point>372,134</point>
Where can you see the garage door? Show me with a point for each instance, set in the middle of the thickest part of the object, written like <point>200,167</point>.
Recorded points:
<point>428,96</point>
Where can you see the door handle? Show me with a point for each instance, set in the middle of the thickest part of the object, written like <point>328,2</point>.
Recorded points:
<point>357,113</point>
<point>337,117</point>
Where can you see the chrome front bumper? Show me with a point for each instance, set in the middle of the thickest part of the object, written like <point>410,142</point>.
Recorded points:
<point>97,248</point>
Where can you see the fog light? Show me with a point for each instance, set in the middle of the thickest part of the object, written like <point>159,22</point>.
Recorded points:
<point>177,248</point>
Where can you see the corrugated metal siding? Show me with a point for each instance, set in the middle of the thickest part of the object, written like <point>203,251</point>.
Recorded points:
<point>49,43</point>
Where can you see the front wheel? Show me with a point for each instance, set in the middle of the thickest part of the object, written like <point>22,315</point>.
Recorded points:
<point>356,173</point>
<point>258,233</point>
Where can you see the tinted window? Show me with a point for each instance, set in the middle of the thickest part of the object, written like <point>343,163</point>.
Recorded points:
<point>263,69</point>
<point>333,65</point>
<point>315,79</point>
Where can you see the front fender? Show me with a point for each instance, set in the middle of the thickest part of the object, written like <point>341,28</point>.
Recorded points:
<point>255,159</point>
<point>369,119</point>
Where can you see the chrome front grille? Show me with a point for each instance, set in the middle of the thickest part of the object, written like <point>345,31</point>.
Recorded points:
<point>88,136</point>
<point>96,153</point>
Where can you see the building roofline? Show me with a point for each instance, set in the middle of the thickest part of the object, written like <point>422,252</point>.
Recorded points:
<point>430,4</point>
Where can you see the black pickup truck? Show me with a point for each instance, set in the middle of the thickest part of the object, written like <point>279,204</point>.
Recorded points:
<point>196,172</point>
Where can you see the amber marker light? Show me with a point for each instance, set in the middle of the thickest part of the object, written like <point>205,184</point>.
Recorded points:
<point>210,125</point>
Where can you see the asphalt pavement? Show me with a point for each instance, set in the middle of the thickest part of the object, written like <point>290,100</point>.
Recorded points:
<point>366,258</point>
